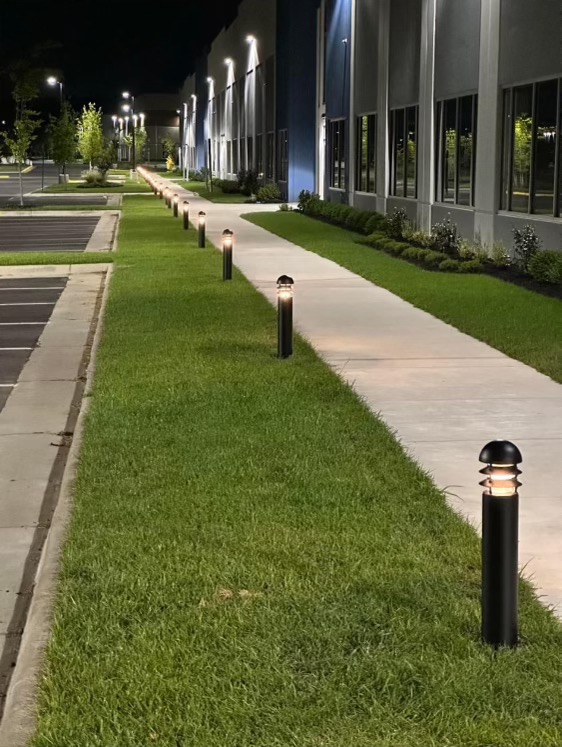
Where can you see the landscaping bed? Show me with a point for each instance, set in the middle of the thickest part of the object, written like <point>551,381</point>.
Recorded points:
<point>523,325</point>
<point>252,558</point>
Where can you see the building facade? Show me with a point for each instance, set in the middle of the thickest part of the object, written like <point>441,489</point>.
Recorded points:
<point>439,107</point>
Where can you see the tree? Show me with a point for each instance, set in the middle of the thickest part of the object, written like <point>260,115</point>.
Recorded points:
<point>91,143</point>
<point>26,87</point>
<point>140,142</point>
<point>62,136</point>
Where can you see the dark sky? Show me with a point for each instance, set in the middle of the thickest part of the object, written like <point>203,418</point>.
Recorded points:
<point>107,46</point>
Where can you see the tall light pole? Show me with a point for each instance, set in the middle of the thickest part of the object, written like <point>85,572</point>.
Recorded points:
<point>131,108</point>
<point>52,81</point>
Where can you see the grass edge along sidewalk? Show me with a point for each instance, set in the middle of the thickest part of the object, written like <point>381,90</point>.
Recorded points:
<point>10,259</point>
<point>524,325</point>
<point>252,559</point>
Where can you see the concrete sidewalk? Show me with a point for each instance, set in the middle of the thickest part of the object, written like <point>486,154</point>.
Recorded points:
<point>443,393</point>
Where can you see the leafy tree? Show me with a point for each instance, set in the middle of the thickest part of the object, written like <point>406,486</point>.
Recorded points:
<point>62,136</point>
<point>25,81</point>
<point>169,145</point>
<point>140,142</point>
<point>91,142</point>
<point>107,158</point>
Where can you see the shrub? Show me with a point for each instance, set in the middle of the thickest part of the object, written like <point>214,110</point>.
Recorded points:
<point>304,198</point>
<point>396,247</point>
<point>394,225</point>
<point>500,256</point>
<point>434,258</point>
<point>419,238</point>
<point>269,193</point>
<point>374,223</point>
<point>526,244</point>
<point>450,265</point>
<point>228,186</point>
<point>93,177</point>
<point>414,252</point>
<point>283,207</point>
<point>466,250</point>
<point>248,182</point>
<point>196,176</point>
<point>473,265</point>
<point>445,237</point>
<point>546,267</point>
<point>357,220</point>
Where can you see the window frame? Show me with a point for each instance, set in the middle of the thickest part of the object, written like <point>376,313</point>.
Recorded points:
<point>440,140</point>
<point>363,185</point>
<point>405,111</point>
<point>337,142</point>
<point>508,149</point>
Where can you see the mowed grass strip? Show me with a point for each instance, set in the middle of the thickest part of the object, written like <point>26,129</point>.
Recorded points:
<point>522,324</point>
<point>127,186</point>
<point>214,195</point>
<point>252,560</point>
<point>54,258</point>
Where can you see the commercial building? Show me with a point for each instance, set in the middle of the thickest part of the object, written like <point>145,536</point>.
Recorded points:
<point>440,107</point>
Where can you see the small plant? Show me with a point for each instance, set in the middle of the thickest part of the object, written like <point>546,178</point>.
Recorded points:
<point>395,225</point>
<point>473,265</point>
<point>269,193</point>
<point>228,186</point>
<point>433,259</point>
<point>445,237</point>
<point>93,177</point>
<point>196,176</point>
<point>526,244</point>
<point>419,238</point>
<point>283,207</point>
<point>466,250</point>
<point>500,256</point>
<point>546,267</point>
<point>374,223</point>
<point>304,198</point>
<point>414,252</point>
<point>248,182</point>
<point>450,265</point>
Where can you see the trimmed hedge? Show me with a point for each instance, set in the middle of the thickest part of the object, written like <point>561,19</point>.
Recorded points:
<point>345,216</point>
<point>546,267</point>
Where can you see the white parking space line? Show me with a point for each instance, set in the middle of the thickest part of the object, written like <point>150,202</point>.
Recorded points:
<point>6,386</point>
<point>12,349</point>
<point>31,303</point>
<point>37,288</point>
<point>19,324</point>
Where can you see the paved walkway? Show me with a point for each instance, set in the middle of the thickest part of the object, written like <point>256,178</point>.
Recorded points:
<point>443,393</point>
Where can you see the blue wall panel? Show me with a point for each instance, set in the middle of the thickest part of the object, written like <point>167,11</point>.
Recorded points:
<point>296,88</point>
<point>338,60</point>
<point>202,93</point>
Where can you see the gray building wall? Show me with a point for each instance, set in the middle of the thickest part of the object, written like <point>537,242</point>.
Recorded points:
<point>366,56</point>
<point>457,47</point>
<point>530,40</point>
<point>405,38</point>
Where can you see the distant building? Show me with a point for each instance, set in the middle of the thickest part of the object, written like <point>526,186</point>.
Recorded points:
<point>435,106</point>
<point>160,113</point>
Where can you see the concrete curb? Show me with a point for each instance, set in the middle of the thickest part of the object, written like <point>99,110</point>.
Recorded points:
<point>19,718</point>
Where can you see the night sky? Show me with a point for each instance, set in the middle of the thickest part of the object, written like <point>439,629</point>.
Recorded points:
<point>106,47</point>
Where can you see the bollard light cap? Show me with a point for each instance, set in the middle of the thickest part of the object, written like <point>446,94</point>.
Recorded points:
<point>500,452</point>
<point>285,280</point>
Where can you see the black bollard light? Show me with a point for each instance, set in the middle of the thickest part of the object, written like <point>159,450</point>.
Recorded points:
<point>227,242</point>
<point>285,316</point>
<point>201,225</point>
<point>185,213</point>
<point>160,191</point>
<point>168,195</point>
<point>176,202</point>
<point>500,519</point>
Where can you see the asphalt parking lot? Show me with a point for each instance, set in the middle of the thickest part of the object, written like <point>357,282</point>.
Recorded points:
<point>46,234</point>
<point>26,305</point>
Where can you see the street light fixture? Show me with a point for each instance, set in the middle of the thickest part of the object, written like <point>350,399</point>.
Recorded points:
<point>52,81</point>
<point>131,107</point>
<point>500,518</point>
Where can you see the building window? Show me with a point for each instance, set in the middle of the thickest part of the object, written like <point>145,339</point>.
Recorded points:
<point>337,149</point>
<point>235,156</point>
<point>259,156</point>
<point>250,153</point>
<point>403,172</point>
<point>243,157</point>
<point>456,152</point>
<point>366,142</point>
<point>283,156</point>
<point>532,123</point>
<point>270,156</point>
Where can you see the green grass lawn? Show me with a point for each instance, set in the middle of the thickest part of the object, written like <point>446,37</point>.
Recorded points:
<point>54,258</point>
<point>127,186</point>
<point>522,324</point>
<point>252,560</point>
<point>217,195</point>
